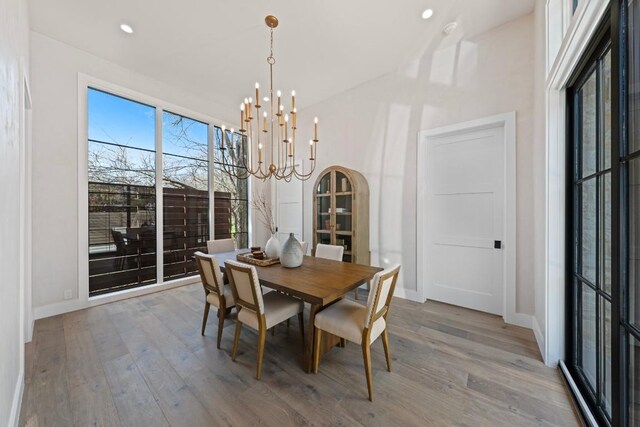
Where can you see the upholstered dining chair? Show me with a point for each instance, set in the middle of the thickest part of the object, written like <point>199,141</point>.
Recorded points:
<point>259,312</point>
<point>358,323</point>
<point>222,245</point>
<point>216,293</point>
<point>333,252</point>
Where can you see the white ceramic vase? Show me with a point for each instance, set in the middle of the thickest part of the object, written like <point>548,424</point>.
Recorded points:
<point>272,248</point>
<point>291,255</point>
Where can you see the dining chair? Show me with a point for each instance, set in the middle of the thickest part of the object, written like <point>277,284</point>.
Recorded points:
<point>333,252</point>
<point>219,246</point>
<point>216,293</point>
<point>358,323</point>
<point>259,312</point>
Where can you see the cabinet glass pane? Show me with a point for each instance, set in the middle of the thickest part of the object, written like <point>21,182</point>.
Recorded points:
<point>325,185</point>
<point>588,330</point>
<point>343,185</point>
<point>343,222</point>
<point>634,382</point>
<point>344,204</point>
<point>634,242</point>
<point>588,125</point>
<point>324,238</point>
<point>345,241</point>
<point>588,232</point>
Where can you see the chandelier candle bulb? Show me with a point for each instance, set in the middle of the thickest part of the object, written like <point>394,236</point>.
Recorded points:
<point>293,100</point>
<point>286,128</point>
<point>279,104</point>
<point>264,124</point>
<point>315,128</point>
<point>222,141</point>
<point>257,94</point>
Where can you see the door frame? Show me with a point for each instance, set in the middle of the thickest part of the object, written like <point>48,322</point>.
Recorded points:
<point>508,122</point>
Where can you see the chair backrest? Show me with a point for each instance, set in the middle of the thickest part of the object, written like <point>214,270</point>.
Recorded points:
<point>222,245</point>
<point>333,252</point>
<point>382,287</point>
<point>245,286</point>
<point>119,240</point>
<point>305,247</point>
<point>210,273</point>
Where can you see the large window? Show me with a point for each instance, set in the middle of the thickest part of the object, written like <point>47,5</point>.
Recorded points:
<point>130,243</point>
<point>603,277</point>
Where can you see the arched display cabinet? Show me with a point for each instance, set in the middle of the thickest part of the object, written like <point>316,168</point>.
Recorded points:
<point>341,212</point>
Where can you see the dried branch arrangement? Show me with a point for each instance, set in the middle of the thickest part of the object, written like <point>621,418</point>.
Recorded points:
<point>263,206</point>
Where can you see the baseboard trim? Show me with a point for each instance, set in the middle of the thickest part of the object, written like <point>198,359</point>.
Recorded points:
<point>74,305</point>
<point>407,294</point>
<point>16,405</point>
<point>519,319</point>
<point>540,339</point>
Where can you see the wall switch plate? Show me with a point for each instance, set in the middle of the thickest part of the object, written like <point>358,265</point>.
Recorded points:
<point>68,294</point>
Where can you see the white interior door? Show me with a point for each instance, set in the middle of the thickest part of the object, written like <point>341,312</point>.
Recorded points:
<point>464,219</point>
<point>289,209</point>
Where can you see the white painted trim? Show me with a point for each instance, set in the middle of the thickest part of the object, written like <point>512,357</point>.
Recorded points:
<point>581,29</point>
<point>586,411</point>
<point>537,332</point>
<point>73,305</point>
<point>408,294</point>
<point>81,298</point>
<point>508,122</point>
<point>16,404</point>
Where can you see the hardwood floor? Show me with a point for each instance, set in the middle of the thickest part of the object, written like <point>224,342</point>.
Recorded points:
<point>143,362</point>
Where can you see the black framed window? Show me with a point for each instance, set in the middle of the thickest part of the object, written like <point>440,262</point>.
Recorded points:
<point>603,220</point>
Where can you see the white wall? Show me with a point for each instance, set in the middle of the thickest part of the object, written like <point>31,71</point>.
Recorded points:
<point>373,128</point>
<point>14,45</point>
<point>539,167</point>
<point>55,68</point>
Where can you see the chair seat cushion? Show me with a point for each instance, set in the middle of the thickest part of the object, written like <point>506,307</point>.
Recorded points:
<point>346,319</point>
<point>212,298</point>
<point>277,308</point>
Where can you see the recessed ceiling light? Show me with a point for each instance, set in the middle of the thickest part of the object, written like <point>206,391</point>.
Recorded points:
<point>428,13</point>
<point>126,28</point>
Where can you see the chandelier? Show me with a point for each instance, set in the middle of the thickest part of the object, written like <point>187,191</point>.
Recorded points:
<point>267,144</point>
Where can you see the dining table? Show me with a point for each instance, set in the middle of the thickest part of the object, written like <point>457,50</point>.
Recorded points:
<point>319,282</point>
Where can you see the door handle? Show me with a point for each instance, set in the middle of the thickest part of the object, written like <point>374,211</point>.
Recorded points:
<point>497,244</point>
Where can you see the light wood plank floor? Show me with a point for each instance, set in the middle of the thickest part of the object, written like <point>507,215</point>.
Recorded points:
<point>143,362</point>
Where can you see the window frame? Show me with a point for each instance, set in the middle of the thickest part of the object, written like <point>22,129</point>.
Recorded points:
<point>86,82</point>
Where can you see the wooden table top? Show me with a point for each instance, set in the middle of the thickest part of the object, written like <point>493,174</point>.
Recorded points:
<point>317,281</point>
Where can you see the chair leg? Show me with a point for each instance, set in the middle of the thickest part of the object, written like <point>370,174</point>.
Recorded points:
<point>316,350</point>
<point>387,353</point>
<point>205,317</point>
<point>343,343</point>
<point>236,339</point>
<point>356,292</point>
<point>262,336</point>
<point>220,325</point>
<point>366,354</point>
<point>301,327</point>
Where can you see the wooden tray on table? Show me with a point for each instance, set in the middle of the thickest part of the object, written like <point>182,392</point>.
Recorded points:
<point>249,259</point>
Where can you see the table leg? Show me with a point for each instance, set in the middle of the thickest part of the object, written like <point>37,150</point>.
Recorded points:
<point>312,317</point>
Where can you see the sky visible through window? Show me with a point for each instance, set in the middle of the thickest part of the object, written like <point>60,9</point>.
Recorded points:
<point>120,121</point>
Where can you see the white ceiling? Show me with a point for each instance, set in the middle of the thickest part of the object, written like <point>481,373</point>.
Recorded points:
<point>218,48</point>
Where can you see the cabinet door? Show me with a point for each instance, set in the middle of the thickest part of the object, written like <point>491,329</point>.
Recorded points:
<point>343,219</point>
<point>324,205</point>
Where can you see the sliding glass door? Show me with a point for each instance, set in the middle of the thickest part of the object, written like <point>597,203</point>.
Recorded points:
<point>590,242</point>
<point>603,220</point>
